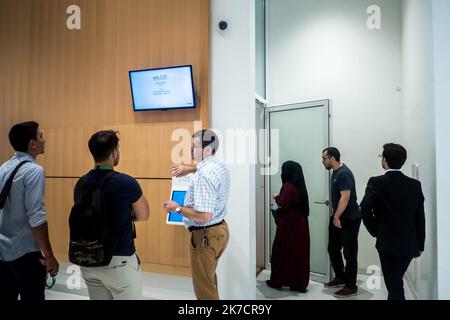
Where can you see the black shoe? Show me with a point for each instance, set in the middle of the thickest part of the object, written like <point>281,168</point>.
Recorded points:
<point>272,285</point>
<point>335,283</point>
<point>346,292</point>
<point>301,290</point>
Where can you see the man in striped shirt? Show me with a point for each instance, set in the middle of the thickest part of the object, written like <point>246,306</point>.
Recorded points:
<point>204,212</point>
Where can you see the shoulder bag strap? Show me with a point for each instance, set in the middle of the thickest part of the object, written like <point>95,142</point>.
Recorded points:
<point>7,187</point>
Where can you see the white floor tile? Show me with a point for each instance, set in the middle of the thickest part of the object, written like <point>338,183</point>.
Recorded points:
<point>316,291</point>
<point>170,287</point>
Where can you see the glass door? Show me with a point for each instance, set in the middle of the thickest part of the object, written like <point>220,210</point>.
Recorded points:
<point>300,132</point>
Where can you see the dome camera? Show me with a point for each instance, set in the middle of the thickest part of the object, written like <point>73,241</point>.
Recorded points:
<point>223,25</point>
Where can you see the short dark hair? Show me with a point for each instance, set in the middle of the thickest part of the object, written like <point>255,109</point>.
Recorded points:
<point>395,155</point>
<point>102,144</point>
<point>333,152</point>
<point>209,138</point>
<point>21,134</point>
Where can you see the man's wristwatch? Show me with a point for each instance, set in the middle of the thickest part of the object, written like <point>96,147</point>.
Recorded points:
<point>178,210</point>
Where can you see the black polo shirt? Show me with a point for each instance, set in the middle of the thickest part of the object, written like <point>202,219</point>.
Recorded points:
<point>342,180</point>
<point>120,192</point>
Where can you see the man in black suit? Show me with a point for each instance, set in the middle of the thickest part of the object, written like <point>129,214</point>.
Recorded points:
<point>393,212</point>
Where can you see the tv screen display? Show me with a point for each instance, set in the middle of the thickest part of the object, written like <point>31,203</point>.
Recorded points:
<point>162,88</point>
<point>175,217</point>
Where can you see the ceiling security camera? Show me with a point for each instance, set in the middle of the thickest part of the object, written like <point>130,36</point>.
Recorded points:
<point>223,25</point>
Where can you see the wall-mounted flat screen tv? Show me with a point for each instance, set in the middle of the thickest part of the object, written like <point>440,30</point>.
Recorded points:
<point>162,88</point>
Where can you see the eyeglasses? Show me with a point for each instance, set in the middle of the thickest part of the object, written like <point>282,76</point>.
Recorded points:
<point>53,281</point>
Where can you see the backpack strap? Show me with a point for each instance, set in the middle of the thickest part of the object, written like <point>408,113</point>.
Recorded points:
<point>84,190</point>
<point>102,184</point>
<point>80,191</point>
<point>7,187</point>
<point>105,179</point>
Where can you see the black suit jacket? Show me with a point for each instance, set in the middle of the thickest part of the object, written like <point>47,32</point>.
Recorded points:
<point>393,212</point>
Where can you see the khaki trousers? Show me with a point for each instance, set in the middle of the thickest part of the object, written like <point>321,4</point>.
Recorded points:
<point>120,280</point>
<point>204,258</point>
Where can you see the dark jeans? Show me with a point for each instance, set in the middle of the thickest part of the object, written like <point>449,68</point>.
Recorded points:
<point>25,276</point>
<point>394,269</point>
<point>347,239</point>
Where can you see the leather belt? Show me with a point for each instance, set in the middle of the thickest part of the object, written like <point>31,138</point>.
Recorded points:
<point>205,227</point>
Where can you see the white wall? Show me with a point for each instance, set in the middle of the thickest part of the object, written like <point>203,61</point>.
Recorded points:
<point>419,135</point>
<point>441,48</point>
<point>321,49</point>
<point>336,57</point>
<point>233,106</point>
<point>260,44</point>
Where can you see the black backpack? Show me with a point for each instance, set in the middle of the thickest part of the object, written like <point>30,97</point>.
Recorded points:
<point>91,239</point>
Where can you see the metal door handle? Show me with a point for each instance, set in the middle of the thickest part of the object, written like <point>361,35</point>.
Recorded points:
<point>323,202</point>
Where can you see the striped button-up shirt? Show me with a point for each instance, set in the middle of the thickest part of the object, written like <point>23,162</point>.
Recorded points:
<point>24,208</point>
<point>208,191</point>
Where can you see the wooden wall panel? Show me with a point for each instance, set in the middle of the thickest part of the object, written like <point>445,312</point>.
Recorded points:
<point>58,201</point>
<point>76,82</point>
<point>145,149</point>
<point>158,242</point>
<point>70,79</point>
<point>14,56</point>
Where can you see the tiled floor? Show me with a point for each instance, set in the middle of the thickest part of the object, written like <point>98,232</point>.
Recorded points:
<point>156,286</point>
<point>167,287</point>
<point>316,291</point>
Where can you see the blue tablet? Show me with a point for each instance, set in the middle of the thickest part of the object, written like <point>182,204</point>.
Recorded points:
<point>175,217</point>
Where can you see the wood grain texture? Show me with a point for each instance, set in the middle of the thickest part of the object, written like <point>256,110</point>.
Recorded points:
<point>75,83</point>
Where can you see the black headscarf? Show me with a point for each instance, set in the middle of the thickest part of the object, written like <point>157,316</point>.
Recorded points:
<point>292,172</point>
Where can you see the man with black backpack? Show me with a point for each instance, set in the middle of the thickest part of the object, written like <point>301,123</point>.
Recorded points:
<point>102,224</point>
<point>26,254</point>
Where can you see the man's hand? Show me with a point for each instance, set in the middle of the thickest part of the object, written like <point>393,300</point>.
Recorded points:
<point>51,264</point>
<point>337,222</point>
<point>181,170</point>
<point>275,195</point>
<point>171,206</point>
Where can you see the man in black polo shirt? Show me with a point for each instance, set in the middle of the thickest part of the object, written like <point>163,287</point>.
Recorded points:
<point>344,225</point>
<point>126,203</point>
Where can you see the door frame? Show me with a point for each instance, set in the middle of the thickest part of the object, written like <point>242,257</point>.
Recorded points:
<point>261,104</point>
<point>278,108</point>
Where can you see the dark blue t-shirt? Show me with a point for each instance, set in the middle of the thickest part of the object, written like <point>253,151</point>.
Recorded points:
<point>120,192</point>
<point>342,180</point>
